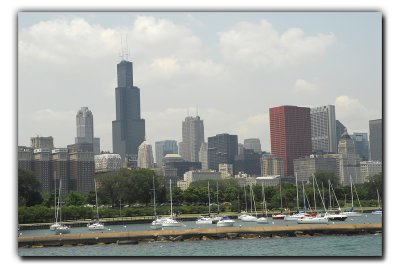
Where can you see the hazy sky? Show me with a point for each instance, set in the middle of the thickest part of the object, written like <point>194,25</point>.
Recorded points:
<point>233,66</point>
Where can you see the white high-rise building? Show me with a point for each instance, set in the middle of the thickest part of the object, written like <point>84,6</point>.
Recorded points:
<point>323,129</point>
<point>192,138</point>
<point>84,126</point>
<point>145,156</point>
<point>107,162</point>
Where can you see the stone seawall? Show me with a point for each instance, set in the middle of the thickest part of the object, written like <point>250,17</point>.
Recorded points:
<point>136,237</point>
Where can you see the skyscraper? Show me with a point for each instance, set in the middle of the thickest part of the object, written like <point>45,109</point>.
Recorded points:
<point>290,130</point>
<point>128,128</point>
<point>323,129</point>
<point>222,149</point>
<point>84,126</point>
<point>362,145</point>
<point>340,129</point>
<point>375,139</point>
<point>163,148</point>
<point>253,143</point>
<point>145,156</point>
<point>192,138</point>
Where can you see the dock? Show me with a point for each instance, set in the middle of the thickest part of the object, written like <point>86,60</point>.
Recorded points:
<point>192,234</point>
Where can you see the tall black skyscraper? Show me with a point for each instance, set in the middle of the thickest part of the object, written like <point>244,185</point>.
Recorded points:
<point>222,149</point>
<point>128,128</point>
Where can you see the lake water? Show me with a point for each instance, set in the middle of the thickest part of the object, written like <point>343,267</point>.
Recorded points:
<point>339,245</point>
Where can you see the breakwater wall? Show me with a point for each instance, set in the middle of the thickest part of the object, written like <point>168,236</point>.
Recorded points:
<point>123,238</point>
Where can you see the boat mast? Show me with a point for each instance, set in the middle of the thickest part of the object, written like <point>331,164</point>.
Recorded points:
<point>264,204</point>
<point>55,201</point>
<point>97,206</point>
<point>297,195</point>
<point>245,197</point>
<point>59,201</point>
<point>170,195</point>
<point>323,203</point>
<point>154,199</point>
<point>209,200</point>
<point>280,191</point>
<point>351,190</point>
<point>304,198</point>
<point>379,203</point>
<point>330,198</point>
<point>251,200</point>
<point>315,202</point>
<point>217,199</point>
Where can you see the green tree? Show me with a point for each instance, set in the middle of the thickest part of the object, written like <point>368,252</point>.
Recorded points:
<point>75,199</point>
<point>28,189</point>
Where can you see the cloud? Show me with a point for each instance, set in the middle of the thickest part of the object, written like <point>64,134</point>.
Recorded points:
<point>352,113</point>
<point>302,86</point>
<point>259,45</point>
<point>255,126</point>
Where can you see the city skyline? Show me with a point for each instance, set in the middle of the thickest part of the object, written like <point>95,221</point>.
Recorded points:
<point>181,62</point>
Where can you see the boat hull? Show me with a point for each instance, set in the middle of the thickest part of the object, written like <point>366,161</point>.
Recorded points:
<point>352,214</point>
<point>225,223</point>
<point>337,217</point>
<point>62,230</point>
<point>262,220</point>
<point>278,217</point>
<point>249,218</point>
<point>312,220</point>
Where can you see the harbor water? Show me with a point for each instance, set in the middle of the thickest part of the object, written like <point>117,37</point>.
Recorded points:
<point>331,245</point>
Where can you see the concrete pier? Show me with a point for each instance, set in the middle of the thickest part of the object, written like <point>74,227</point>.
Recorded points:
<point>173,235</point>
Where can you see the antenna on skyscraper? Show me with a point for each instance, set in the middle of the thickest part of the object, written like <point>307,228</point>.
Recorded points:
<point>122,50</point>
<point>127,47</point>
<point>197,110</point>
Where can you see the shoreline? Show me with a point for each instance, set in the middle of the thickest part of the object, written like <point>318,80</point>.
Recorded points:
<point>227,233</point>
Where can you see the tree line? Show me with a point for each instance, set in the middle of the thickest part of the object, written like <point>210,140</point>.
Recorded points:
<point>133,189</point>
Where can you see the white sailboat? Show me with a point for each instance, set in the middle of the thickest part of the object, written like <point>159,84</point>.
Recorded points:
<point>97,225</point>
<point>263,219</point>
<point>300,214</point>
<point>225,221</point>
<point>339,216</point>
<point>379,210</point>
<point>250,217</point>
<point>171,222</point>
<point>351,212</point>
<point>62,228</point>
<point>56,223</point>
<point>217,217</point>
<point>206,219</point>
<point>279,216</point>
<point>317,219</point>
<point>157,222</point>
<point>244,213</point>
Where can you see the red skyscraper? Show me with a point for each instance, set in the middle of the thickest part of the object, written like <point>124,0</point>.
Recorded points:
<point>290,128</point>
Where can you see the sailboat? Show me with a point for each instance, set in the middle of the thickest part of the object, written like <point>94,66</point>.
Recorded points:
<point>351,212</point>
<point>250,217</point>
<point>156,223</point>
<point>206,219</point>
<point>61,229</point>
<point>218,217</point>
<point>56,223</point>
<point>263,219</point>
<point>379,210</point>
<point>300,214</point>
<point>317,219</point>
<point>244,213</point>
<point>97,225</point>
<point>171,222</point>
<point>339,216</point>
<point>279,216</point>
